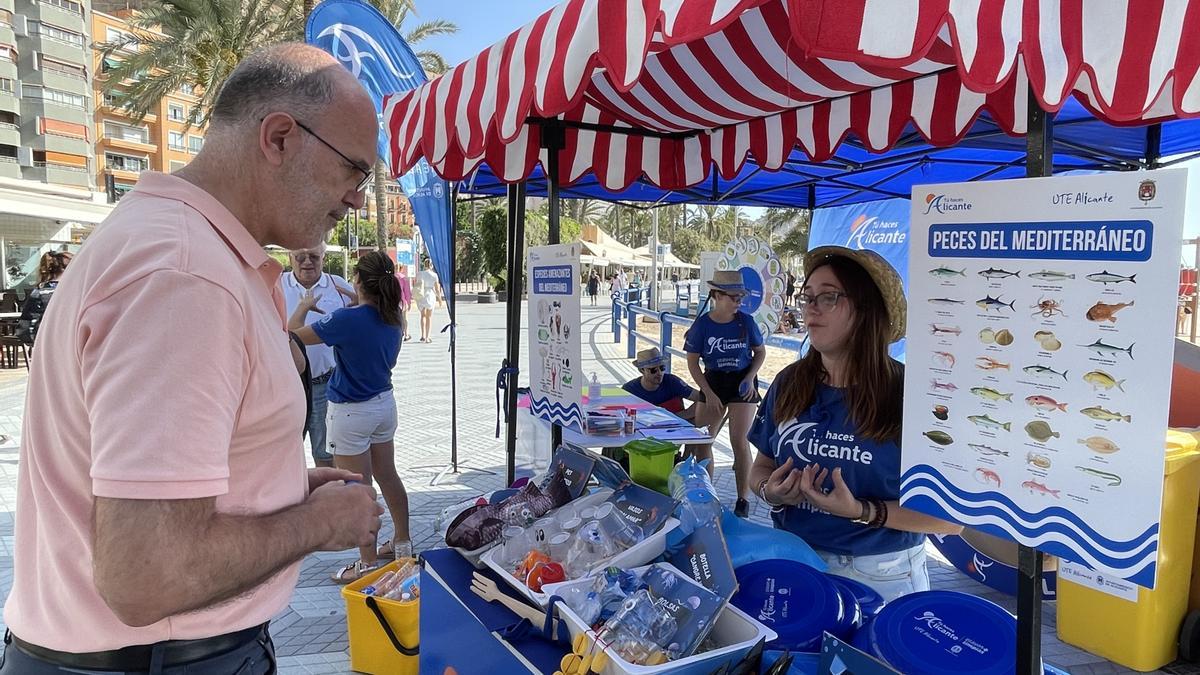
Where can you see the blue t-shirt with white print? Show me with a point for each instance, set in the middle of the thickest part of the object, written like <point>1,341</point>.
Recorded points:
<point>724,346</point>
<point>824,434</point>
<point>365,350</point>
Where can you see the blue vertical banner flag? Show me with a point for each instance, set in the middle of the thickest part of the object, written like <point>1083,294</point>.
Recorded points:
<point>881,226</point>
<point>364,41</point>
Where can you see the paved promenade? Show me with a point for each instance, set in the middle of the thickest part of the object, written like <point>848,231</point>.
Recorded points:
<point>311,634</point>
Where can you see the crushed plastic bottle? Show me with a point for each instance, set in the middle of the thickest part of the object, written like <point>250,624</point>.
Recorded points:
<point>690,485</point>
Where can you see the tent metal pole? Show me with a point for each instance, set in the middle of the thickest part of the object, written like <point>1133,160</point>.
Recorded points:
<point>451,302</point>
<point>554,139</point>
<point>1039,162</point>
<point>1153,145</point>
<point>516,248</point>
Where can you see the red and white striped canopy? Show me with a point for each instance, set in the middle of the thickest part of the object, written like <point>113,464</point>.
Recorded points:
<point>710,83</point>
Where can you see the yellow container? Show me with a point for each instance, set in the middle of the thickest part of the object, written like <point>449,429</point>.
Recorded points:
<point>372,649</point>
<point>1143,635</point>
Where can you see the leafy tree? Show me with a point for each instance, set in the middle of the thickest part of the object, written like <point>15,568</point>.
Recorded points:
<point>493,237</point>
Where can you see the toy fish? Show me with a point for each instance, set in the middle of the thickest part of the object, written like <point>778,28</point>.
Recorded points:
<point>939,437</point>
<point>1099,378</point>
<point>988,302</point>
<point>1047,275</point>
<point>993,273</point>
<point>1040,431</point>
<point>1043,371</point>
<point>1036,460</point>
<point>986,450</point>
<point>946,386</point>
<point>1112,478</point>
<point>944,330</point>
<point>1106,278</point>
<point>1036,487</point>
<point>944,359</point>
<point>990,394</point>
<point>1103,349</point>
<point>946,272</point>
<point>1103,312</point>
<point>945,301</point>
<point>1045,403</point>
<point>1098,413</point>
<point>985,421</point>
<point>988,363</point>
<point>1100,444</point>
<point>987,477</point>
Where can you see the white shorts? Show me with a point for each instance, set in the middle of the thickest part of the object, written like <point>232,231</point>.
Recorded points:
<point>426,300</point>
<point>353,427</point>
<point>890,574</point>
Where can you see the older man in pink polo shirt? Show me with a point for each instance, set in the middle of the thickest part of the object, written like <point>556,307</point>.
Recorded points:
<point>163,504</point>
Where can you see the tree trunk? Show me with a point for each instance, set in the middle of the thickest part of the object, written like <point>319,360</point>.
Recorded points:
<point>381,214</point>
<point>308,8</point>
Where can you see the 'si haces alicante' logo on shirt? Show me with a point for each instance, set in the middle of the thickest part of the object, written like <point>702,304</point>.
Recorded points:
<point>812,448</point>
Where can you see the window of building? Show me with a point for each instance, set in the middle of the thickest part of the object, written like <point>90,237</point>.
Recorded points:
<point>8,52</point>
<point>59,160</point>
<point>187,89</point>
<point>125,132</point>
<point>116,35</point>
<point>55,96</point>
<point>55,33</point>
<point>60,128</point>
<point>7,117</point>
<point>175,140</point>
<point>6,17</point>
<point>175,112</point>
<point>57,67</point>
<point>7,85</point>
<point>194,144</point>
<point>121,162</point>
<point>119,190</point>
<point>68,5</point>
<point>8,153</point>
<point>176,165</point>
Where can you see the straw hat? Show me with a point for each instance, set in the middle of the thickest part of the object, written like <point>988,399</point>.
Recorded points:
<point>886,279</point>
<point>729,281</point>
<point>648,358</point>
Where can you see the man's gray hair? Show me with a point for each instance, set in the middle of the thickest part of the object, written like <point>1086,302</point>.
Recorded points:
<point>284,78</point>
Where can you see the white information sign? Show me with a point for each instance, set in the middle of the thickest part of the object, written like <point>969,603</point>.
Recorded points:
<point>1040,334</point>
<point>555,380</point>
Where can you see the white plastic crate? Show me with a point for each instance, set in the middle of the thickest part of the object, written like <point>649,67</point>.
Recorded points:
<point>735,633</point>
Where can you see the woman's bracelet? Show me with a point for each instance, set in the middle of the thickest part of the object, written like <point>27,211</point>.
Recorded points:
<point>762,492</point>
<point>881,514</point>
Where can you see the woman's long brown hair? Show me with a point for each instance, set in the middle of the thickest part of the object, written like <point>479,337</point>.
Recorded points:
<point>377,275</point>
<point>875,381</point>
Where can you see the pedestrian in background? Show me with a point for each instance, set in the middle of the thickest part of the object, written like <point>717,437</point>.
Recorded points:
<point>593,286</point>
<point>362,408</point>
<point>159,444</point>
<point>50,270</point>
<point>406,298</point>
<point>428,292</point>
<point>331,292</point>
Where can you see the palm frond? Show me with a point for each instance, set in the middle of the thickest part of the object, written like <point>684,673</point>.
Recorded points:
<point>429,29</point>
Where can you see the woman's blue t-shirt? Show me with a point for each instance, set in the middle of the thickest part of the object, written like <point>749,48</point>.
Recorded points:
<point>365,350</point>
<point>724,346</point>
<point>825,435</point>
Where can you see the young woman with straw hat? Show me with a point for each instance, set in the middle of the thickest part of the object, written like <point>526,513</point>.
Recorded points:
<point>828,433</point>
<point>730,345</point>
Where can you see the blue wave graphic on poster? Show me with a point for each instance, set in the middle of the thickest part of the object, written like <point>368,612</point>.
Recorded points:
<point>556,413</point>
<point>1055,529</point>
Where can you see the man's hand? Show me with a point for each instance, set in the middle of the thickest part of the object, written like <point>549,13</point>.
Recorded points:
<point>352,512</point>
<point>308,302</point>
<point>783,485</point>
<point>322,475</point>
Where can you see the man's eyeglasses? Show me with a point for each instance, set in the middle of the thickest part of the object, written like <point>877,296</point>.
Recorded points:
<point>301,257</point>
<point>652,370</point>
<point>368,174</point>
<point>824,302</point>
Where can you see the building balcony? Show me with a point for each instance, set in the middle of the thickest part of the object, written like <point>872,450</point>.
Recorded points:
<point>52,79</point>
<point>59,174</point>
<point>127,143</point>
<point>123,173</point>
<point>10,134</point>
<point>9,168</point>
<point>8,5</point>
<point>62,13</point>
<point>9,102</point>
<point>107,107</point>
<point>63,50</point>
<point>40,107</point>
<point>7,35</point>
<point>54,142</point>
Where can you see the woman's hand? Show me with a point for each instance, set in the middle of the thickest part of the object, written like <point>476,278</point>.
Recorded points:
<point>350,296</point>
<point>783,485</point>
<point>839,501</point>
<point>308,302</point>
<point>746,388</point>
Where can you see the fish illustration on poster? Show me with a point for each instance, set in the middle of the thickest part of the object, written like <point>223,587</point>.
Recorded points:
<point>555,350</point>
<point>1037,308</point>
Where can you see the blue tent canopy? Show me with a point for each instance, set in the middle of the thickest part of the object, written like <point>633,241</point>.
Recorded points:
<point>854,175</point>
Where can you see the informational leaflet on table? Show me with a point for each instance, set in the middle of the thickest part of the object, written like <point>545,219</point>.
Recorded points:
<point>1040,340</point>
<point>555,382</point>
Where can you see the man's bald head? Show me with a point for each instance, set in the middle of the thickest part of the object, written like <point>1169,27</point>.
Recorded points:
<point>295,77</point>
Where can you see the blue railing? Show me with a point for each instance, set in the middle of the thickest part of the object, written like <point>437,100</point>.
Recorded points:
<point>624,319</point>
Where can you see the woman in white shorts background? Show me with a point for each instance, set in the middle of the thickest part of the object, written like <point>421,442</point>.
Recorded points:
<point>362,408</point>
<point>427,296</point>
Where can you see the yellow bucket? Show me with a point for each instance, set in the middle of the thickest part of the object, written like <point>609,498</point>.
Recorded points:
<point>1143,635</point>
<point>383,633</point>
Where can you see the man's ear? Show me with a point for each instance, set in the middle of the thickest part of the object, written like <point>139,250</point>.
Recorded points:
<point>277,135</point>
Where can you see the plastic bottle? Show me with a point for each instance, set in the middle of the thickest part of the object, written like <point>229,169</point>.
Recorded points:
<point>593,391</point>
<point>690,485</point>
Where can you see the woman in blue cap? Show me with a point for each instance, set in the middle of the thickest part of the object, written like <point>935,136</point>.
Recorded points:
<point>828,433</point>
<point>730,345</point>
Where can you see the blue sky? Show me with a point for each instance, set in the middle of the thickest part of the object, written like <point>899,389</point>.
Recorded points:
<point>481,23</point>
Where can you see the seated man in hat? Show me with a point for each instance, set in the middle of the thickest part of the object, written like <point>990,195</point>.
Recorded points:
<point>662,389</point>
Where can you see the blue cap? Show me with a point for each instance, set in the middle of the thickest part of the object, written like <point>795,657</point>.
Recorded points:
<point>944,633</point>
<point>794,600</point>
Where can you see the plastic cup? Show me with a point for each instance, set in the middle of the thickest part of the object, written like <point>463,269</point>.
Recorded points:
<point>571,525</point>
<point>516,545</point>
<point>560,547</point>
<point>587,513</point>
<point>616,527</point>
<point>543,530</point>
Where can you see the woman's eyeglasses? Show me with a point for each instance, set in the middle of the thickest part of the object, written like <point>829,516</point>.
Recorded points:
<point>824,302</point>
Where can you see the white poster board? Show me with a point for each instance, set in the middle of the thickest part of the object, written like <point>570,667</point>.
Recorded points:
<point>1040,342</point>
<point>555,380</point>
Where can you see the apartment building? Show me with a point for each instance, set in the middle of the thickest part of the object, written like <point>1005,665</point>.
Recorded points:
<point>399,211</point>
<point>160,141</point>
